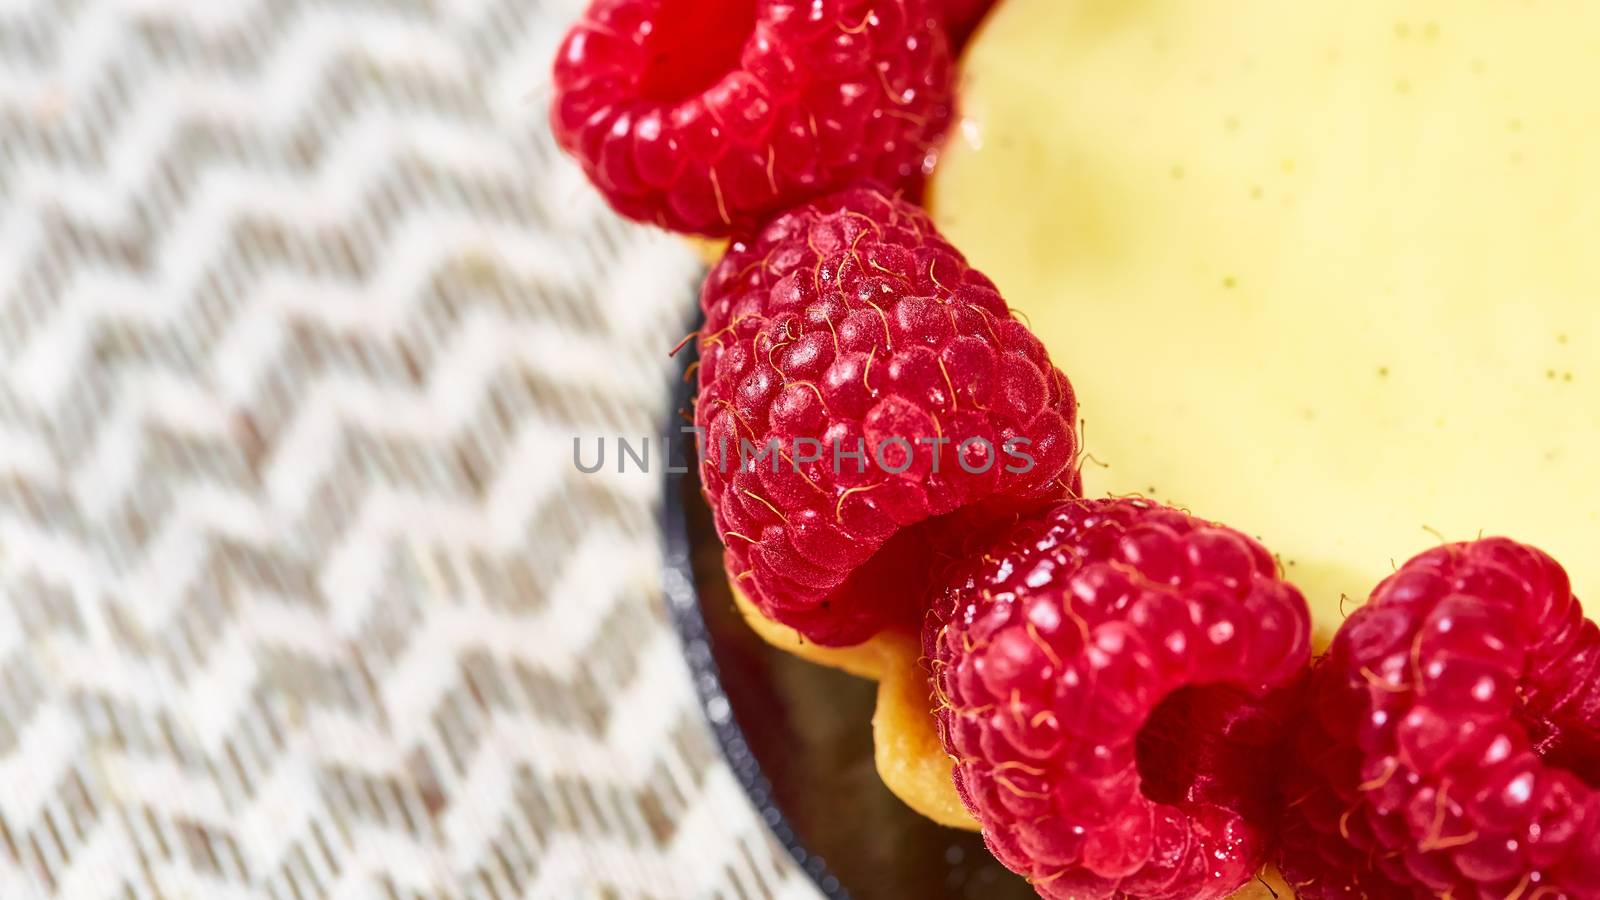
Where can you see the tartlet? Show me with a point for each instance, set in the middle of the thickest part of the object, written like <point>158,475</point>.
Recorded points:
<point>1315,272</point>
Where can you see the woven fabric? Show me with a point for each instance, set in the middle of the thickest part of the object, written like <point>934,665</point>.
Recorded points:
<point>303,596</point>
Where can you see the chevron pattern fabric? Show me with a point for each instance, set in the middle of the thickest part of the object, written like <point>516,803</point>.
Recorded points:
<point>301,595</point>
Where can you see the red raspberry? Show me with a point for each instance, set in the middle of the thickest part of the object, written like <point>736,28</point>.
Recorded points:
<point>1115,678</point>
<point>849,325</point>
<point>962,17</point>
<point>710,116</point>
<point>1455,749</point>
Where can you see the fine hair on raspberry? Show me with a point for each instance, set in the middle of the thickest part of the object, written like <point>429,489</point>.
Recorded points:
<point>907,411</point>
<point>710,116</point>
<point>1452,741</point>
<point>1114,680</point>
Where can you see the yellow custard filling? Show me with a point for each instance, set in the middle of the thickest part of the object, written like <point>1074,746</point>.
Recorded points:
<point>1329,273</point>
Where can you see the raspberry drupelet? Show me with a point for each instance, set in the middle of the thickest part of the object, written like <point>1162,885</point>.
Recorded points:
<point>910,412</point>
<point>1114,680</point>
<point>1452,744</point>
<point>710,116</point>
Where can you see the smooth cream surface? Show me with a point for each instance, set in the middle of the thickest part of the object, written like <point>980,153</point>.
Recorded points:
<point>1326,272</point>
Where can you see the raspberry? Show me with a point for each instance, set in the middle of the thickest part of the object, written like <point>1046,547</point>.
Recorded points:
<point>1115,678</point>
<point>710,116</point>
<point>1455,748</point>
<point>961,18</point>
<point>849,326</point>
